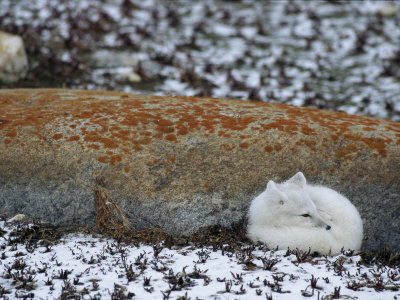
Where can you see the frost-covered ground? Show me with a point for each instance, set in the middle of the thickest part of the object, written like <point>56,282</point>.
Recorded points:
<point>79,266</point>
<point>342,55</point>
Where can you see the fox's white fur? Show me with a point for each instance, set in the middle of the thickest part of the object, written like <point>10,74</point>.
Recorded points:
<point>295,214</point>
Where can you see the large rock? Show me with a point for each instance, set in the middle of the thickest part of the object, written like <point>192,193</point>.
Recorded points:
<point>13,60</point>
<point>184,163</point>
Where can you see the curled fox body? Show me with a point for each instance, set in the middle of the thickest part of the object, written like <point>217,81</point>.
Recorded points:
<point>295,214</point>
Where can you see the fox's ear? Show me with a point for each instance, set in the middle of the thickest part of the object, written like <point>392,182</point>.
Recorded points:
<point>298,179</point>
<point>271,186</point>
<point>277,194</point>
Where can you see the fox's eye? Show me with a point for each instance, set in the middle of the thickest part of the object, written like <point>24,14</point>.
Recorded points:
<point>305,215</point>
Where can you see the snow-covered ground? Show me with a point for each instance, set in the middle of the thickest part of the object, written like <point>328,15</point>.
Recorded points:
<point>83,266</point>
<point>342,55</point>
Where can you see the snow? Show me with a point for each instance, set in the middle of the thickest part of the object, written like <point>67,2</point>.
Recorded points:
<point>95,267</point>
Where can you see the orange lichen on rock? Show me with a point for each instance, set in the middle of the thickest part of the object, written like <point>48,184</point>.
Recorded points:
<point>351,147</point>
<point>57,136</point>
<point>287,126</point>
<point>134,122</point>
<point>377,143</point>
<point>342,152</point>
<point>146,133</point>
<point>345,152</point>
<point>335,138</point>
<point>145,141</point>
<point>102,159</point>
<point>171,138</point>
<point>244,145</point>
<point>310,144</point>
<point>224,134</point>
<point>95,137</point>
<point>74,138</point>
<point>228,147</point>
<point>11,134</point>
<point>182,130</point>
<point>307,130</point>
<point>234,123</point>
<point>130,120</point>
<point>93,146</point>
<point>115,158</point>
<point>164,126</point>
<point>268,148</point>
<point>108,143</point>
<point>365,128</point>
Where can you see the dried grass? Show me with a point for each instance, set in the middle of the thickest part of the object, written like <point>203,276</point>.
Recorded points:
<point>110,219</point>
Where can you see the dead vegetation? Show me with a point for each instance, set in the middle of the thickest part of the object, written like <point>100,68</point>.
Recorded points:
<point>110,219</point>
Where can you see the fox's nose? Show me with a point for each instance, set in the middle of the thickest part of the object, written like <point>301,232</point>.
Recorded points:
<point>328,227</point>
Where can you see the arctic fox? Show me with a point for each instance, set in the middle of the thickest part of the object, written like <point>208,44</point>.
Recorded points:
<point>297,215</point>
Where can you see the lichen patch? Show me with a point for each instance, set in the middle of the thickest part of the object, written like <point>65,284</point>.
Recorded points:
<point>102,121</point>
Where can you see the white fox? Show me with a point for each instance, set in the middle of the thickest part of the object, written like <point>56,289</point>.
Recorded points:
<point>297,215</point>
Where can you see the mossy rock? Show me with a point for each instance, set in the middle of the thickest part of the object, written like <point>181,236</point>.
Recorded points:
<point>183,163</point>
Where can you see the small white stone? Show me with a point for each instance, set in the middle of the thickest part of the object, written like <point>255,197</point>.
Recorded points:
<point>388,10</point>
<point>13,60</point>
<point>131,77</point>
<point>17,218</point>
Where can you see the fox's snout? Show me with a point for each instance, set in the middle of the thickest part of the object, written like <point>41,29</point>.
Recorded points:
<point>321,223</point>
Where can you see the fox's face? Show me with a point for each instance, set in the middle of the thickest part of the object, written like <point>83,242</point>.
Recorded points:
<point>288,204</point>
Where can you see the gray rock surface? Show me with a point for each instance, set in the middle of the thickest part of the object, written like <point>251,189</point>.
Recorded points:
<point>184,163</point>
<point>13,59</point>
